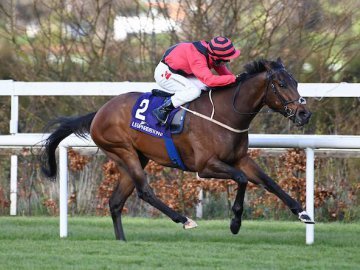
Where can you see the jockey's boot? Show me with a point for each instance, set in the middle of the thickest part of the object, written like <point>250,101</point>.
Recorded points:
<point>162,112</point>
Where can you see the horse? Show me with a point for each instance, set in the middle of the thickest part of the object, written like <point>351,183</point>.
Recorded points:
<point>213,149</point>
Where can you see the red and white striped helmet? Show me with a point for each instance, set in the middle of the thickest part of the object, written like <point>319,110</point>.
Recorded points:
<point>222,48</point>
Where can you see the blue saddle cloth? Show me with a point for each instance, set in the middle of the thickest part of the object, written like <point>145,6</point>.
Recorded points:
<point>143,120</point>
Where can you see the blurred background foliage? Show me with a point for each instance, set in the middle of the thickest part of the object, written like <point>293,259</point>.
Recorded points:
<point>98,40</point>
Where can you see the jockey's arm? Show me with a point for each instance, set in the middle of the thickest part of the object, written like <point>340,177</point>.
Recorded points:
<point>200,69</point>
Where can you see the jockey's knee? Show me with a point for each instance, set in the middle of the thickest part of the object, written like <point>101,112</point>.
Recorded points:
<point>195,92</point>
<point>183,97</point>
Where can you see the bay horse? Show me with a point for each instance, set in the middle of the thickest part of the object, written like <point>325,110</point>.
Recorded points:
<point>205,147</point>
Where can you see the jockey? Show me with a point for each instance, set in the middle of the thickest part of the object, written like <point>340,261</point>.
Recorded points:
<point>185,70</point>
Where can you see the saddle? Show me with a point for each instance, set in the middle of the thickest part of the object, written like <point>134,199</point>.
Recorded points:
<point>161,93</point>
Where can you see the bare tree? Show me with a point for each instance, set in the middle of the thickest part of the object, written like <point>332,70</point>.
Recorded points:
<point>75,39</point>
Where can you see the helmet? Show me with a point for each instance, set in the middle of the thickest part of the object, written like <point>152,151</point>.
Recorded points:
<point>222,48</point>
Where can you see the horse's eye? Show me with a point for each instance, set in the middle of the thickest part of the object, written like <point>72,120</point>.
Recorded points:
<point>282,85</point>
<point>302,100</point>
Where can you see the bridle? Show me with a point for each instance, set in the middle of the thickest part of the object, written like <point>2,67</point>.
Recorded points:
<point>286,111</point>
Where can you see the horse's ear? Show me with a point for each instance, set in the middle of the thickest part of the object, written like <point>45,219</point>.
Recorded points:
<point>280,61</point>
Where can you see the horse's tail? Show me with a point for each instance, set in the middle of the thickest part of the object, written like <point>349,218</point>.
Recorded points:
<point>80,126</point>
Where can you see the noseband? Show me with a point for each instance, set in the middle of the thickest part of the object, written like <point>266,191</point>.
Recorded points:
<point>287,112</point>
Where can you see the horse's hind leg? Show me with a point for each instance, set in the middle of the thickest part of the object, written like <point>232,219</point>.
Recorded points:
<point>129,160</point>
<point>122,191</point>
<point>117,200</point>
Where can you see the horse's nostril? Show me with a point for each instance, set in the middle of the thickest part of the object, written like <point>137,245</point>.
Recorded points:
<point>304,115</point>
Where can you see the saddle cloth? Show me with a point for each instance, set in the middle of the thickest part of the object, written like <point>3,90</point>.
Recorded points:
<point>143,120</point>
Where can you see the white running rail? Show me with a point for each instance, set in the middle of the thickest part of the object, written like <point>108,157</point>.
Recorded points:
<point>308,142</point>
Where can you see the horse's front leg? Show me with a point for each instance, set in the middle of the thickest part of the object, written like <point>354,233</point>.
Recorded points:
<point>257,176</point>
<point>218,169</point>
<point>238,208</point>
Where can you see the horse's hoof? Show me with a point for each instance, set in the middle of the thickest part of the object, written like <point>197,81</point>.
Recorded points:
<point>235,225</point>
<point>304,217</point>
<point>189,224</point>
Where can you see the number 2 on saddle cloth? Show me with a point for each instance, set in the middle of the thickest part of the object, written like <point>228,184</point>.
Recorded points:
<point>143,120</point>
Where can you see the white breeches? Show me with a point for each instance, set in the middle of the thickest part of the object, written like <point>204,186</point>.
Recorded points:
<point>185,89</point>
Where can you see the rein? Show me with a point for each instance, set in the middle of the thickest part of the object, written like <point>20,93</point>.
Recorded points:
<point>211,119</point>
<point>287,112</point>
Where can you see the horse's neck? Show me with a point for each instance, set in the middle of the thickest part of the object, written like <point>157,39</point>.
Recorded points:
<point>251,94</point>
<point>248,101</point>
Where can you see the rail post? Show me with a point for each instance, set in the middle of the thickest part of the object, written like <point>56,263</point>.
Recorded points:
<point>63,175</point>
<point>14,119</point>
<point>310,194</point>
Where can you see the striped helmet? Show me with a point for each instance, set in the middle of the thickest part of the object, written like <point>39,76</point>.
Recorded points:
<point>222,48</point>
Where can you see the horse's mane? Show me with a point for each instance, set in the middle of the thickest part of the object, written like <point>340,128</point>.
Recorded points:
<point>256,67</point>
<point>253,68</point>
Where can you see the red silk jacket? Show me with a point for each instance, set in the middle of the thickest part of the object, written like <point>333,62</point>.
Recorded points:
<point>187,60</point>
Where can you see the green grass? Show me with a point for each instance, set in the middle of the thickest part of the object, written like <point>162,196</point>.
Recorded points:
<point>34,243</point>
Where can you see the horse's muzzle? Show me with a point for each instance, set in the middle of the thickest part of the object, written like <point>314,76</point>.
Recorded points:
<point>302,117</point>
